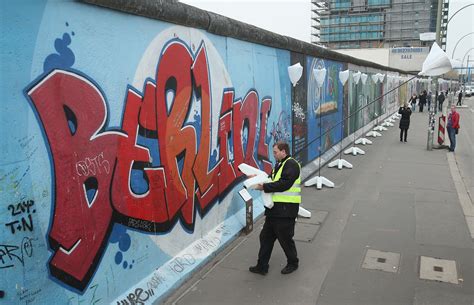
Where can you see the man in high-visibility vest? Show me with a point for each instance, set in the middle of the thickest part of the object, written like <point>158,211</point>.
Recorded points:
<point>280,220</point>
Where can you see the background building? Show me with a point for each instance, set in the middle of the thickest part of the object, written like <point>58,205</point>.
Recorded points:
<point>390,28</point>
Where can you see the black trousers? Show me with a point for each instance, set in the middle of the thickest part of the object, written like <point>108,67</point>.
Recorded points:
<point>282,229</point>
<point>403,134</point>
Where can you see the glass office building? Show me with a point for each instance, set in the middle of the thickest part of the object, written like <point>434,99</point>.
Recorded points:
<point>354,24</point>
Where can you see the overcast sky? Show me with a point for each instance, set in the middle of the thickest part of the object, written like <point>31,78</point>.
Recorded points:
<point>293,18</point>
<point>461,24</point>
<point>286,17</point>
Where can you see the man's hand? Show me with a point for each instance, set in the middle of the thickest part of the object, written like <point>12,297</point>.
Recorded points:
<point>259,187</point>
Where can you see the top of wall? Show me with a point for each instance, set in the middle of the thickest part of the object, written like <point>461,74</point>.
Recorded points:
<point>186,15</point>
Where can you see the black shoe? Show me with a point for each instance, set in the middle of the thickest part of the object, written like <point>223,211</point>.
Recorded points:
<point>258,269</point>
<point>405,140</point>
<point>288,269</point>
<point>401,140</point>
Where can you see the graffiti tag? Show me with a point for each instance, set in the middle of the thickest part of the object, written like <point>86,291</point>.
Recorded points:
<point>23,210</point>
<point>138,297</point>
<point>14,254</point>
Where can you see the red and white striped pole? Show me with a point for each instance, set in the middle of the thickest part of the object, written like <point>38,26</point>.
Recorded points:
<point>441,129</point>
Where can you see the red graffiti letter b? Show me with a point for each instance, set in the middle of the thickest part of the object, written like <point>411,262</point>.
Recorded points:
<point>73,113</point>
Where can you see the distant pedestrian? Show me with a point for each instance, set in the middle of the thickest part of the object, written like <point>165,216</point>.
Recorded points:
<point>453,127</point>
<point>422,100</point>
<point>405,111</point>
<point>280,219</point>
<point>412,101</point>
<point>440,101</point>
<point>459,98</point>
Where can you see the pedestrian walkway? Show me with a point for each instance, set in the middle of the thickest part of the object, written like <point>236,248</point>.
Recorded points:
<point>397,209</point>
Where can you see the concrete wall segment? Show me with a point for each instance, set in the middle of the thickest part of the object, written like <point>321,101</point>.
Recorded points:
<point>120,136</point>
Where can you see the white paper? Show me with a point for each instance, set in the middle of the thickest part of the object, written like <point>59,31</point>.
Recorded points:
<point>250,170</point>
<point>356,77</point>
<point>251,183</point>
<point>262,177</point>
<point>374,78</point>
<point>267,200</point>
<point>295,71</point>
<point>320,76</point>
<point>343,76</point>
<point>436,63</point>
<point>245,195</point>
<point>363,78</point>
<point>381,77</point>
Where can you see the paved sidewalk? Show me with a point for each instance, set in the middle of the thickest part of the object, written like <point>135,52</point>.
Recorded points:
<point>398,203</point>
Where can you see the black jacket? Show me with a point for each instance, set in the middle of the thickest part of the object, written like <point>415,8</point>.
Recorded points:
<point>405,120</point>
<point>441,98</point>
<point>422,99</point>
<point>289,174</point>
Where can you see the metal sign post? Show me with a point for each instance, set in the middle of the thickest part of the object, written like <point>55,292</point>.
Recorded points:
<point>248,210</point>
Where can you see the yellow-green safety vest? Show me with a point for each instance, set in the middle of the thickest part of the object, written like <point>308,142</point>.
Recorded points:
<point>293,194</point>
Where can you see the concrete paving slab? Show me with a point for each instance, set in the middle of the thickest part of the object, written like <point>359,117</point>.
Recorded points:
<point>381,260</point>
<point>441,296</point>
<point>317,217</point>
<point>441,270</point>
<point>305,232</point>
<point>440,224</point>
<point>431,194</point>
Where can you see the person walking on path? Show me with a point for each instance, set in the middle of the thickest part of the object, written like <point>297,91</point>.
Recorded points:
<point>422,100</point>
<point>459,98</point>
<point>412,101</point>
<point>440,101</point>
<point>405,111</point>
<point>280,219</point>
<point>453,127</point>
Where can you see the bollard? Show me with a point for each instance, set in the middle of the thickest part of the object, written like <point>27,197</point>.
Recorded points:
<point>441,127</point>
<point>248,210</point>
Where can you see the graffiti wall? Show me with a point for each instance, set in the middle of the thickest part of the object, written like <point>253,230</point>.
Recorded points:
<point>324,105</point>
<point>370,97</point>
<point>120,150</point>
<point>120,141</point>
<point>366,97</point>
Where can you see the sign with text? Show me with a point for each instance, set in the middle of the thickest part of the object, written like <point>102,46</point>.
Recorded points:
<point>408,59</point>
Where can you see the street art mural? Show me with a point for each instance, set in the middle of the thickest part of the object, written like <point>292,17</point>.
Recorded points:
<point>372,99</point>
<point>123,182</point>
<point>391,84</point>
<point>377,96</point>
<point>325,106</point>
<point>121,137</point>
